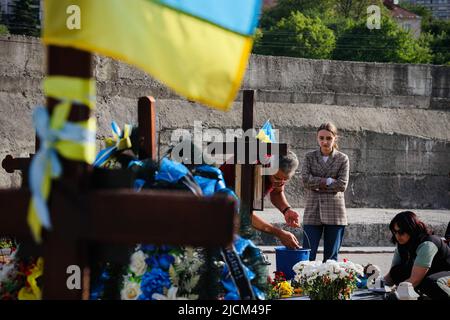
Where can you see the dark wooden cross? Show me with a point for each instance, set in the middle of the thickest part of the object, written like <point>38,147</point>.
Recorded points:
<point>11,164</point>
<point>81,215</point>
<point>248,180</point>
<point>146,137</point>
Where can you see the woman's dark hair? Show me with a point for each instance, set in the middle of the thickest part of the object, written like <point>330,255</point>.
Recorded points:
<point>408,222</point>
<point>330,127</point>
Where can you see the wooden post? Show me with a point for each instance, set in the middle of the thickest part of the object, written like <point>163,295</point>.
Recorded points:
<point>247,173</point>
<point>147,128</point>
<point>61,250</point>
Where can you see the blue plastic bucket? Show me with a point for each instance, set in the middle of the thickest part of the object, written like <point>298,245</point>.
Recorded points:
<point>287,258</point>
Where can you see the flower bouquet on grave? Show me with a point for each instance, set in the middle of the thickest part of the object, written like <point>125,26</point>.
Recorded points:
<point>10,279</point>
<point>19,278</point>
<point>162,273</point>
<point>279,287</point>
<point>7,248</point>
<point>331,280</point>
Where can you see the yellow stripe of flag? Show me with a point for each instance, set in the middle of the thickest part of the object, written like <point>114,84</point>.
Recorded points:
<point>197,59</point>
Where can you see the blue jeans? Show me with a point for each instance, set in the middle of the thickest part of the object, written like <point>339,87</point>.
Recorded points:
<point>332,240</point>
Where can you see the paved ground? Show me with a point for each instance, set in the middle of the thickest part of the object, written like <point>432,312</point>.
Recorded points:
<point>381,256</point>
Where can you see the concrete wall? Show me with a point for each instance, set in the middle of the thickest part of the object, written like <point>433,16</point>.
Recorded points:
<point>394,119</point>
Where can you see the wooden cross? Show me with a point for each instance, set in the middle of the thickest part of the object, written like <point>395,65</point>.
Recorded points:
<point>81,215</point>
<point>146,137</point>
<point>248,183</point>
<point>11,164</point>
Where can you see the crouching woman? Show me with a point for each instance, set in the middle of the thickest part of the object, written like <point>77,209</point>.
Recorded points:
<point>420,258</point>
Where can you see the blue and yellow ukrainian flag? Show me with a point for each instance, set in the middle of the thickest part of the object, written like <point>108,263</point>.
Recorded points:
<point>266,133</point>
<point>199,48</point>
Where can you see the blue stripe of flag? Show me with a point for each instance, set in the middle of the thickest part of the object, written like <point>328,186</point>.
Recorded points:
<point>240,16</point>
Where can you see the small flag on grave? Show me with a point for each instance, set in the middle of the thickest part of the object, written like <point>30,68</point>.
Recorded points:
<point>266,133</point>
<point>198,48</point>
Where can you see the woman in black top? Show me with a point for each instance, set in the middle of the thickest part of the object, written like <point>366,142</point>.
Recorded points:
<point>420,257</point>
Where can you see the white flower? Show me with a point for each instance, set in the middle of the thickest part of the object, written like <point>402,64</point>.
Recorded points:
<point>138,265</point>
<point>130,291</point>
<point>343,274</point>
<point>333,276</point>
<point>171,295</point>
<point>300,266</point>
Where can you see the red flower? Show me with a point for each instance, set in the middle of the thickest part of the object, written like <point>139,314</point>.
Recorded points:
<point>279,275</point>
<point>345,260</point>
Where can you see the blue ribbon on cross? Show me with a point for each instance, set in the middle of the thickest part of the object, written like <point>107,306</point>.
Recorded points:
<point>68,140</point>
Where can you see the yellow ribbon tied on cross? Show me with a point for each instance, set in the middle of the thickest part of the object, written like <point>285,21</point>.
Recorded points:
<point>120,141</point>
<point>59,137</point>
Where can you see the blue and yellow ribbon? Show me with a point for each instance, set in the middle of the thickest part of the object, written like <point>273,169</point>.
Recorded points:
<point>120,141</point>
<point>59,137</point>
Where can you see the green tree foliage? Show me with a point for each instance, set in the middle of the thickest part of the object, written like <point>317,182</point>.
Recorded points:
<point>437,26</point>
<point>25,19</point>
<point>390,43</point>
<point>353,9</point>
<point>347,13</point>
<point>3,28</point>
<point>324,9</point>
<point>284,33</point>
<point>436,33</point>
<point>284,8</point>
<point>298,36</point>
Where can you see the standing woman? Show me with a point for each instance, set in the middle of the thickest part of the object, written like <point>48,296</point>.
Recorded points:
<point>325,175</point>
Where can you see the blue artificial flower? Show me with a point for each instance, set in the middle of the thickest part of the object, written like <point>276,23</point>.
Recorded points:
<point>232,295</point>
<point>228,283</point>
<point>362,283</point>
<point>241,244</point>
<point>247,271</point>
<point>143,297</point>
<point>152,261</point>
<point>148,248</point>
<point>165,260</point>
<point>154,282</point>
<point>165,248</point>
<point>97,290</point>
<point>258,293</point>
<point>162,261</point>
<point>105,276</point>
<point>207,185</point>
<point>171,171</point>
